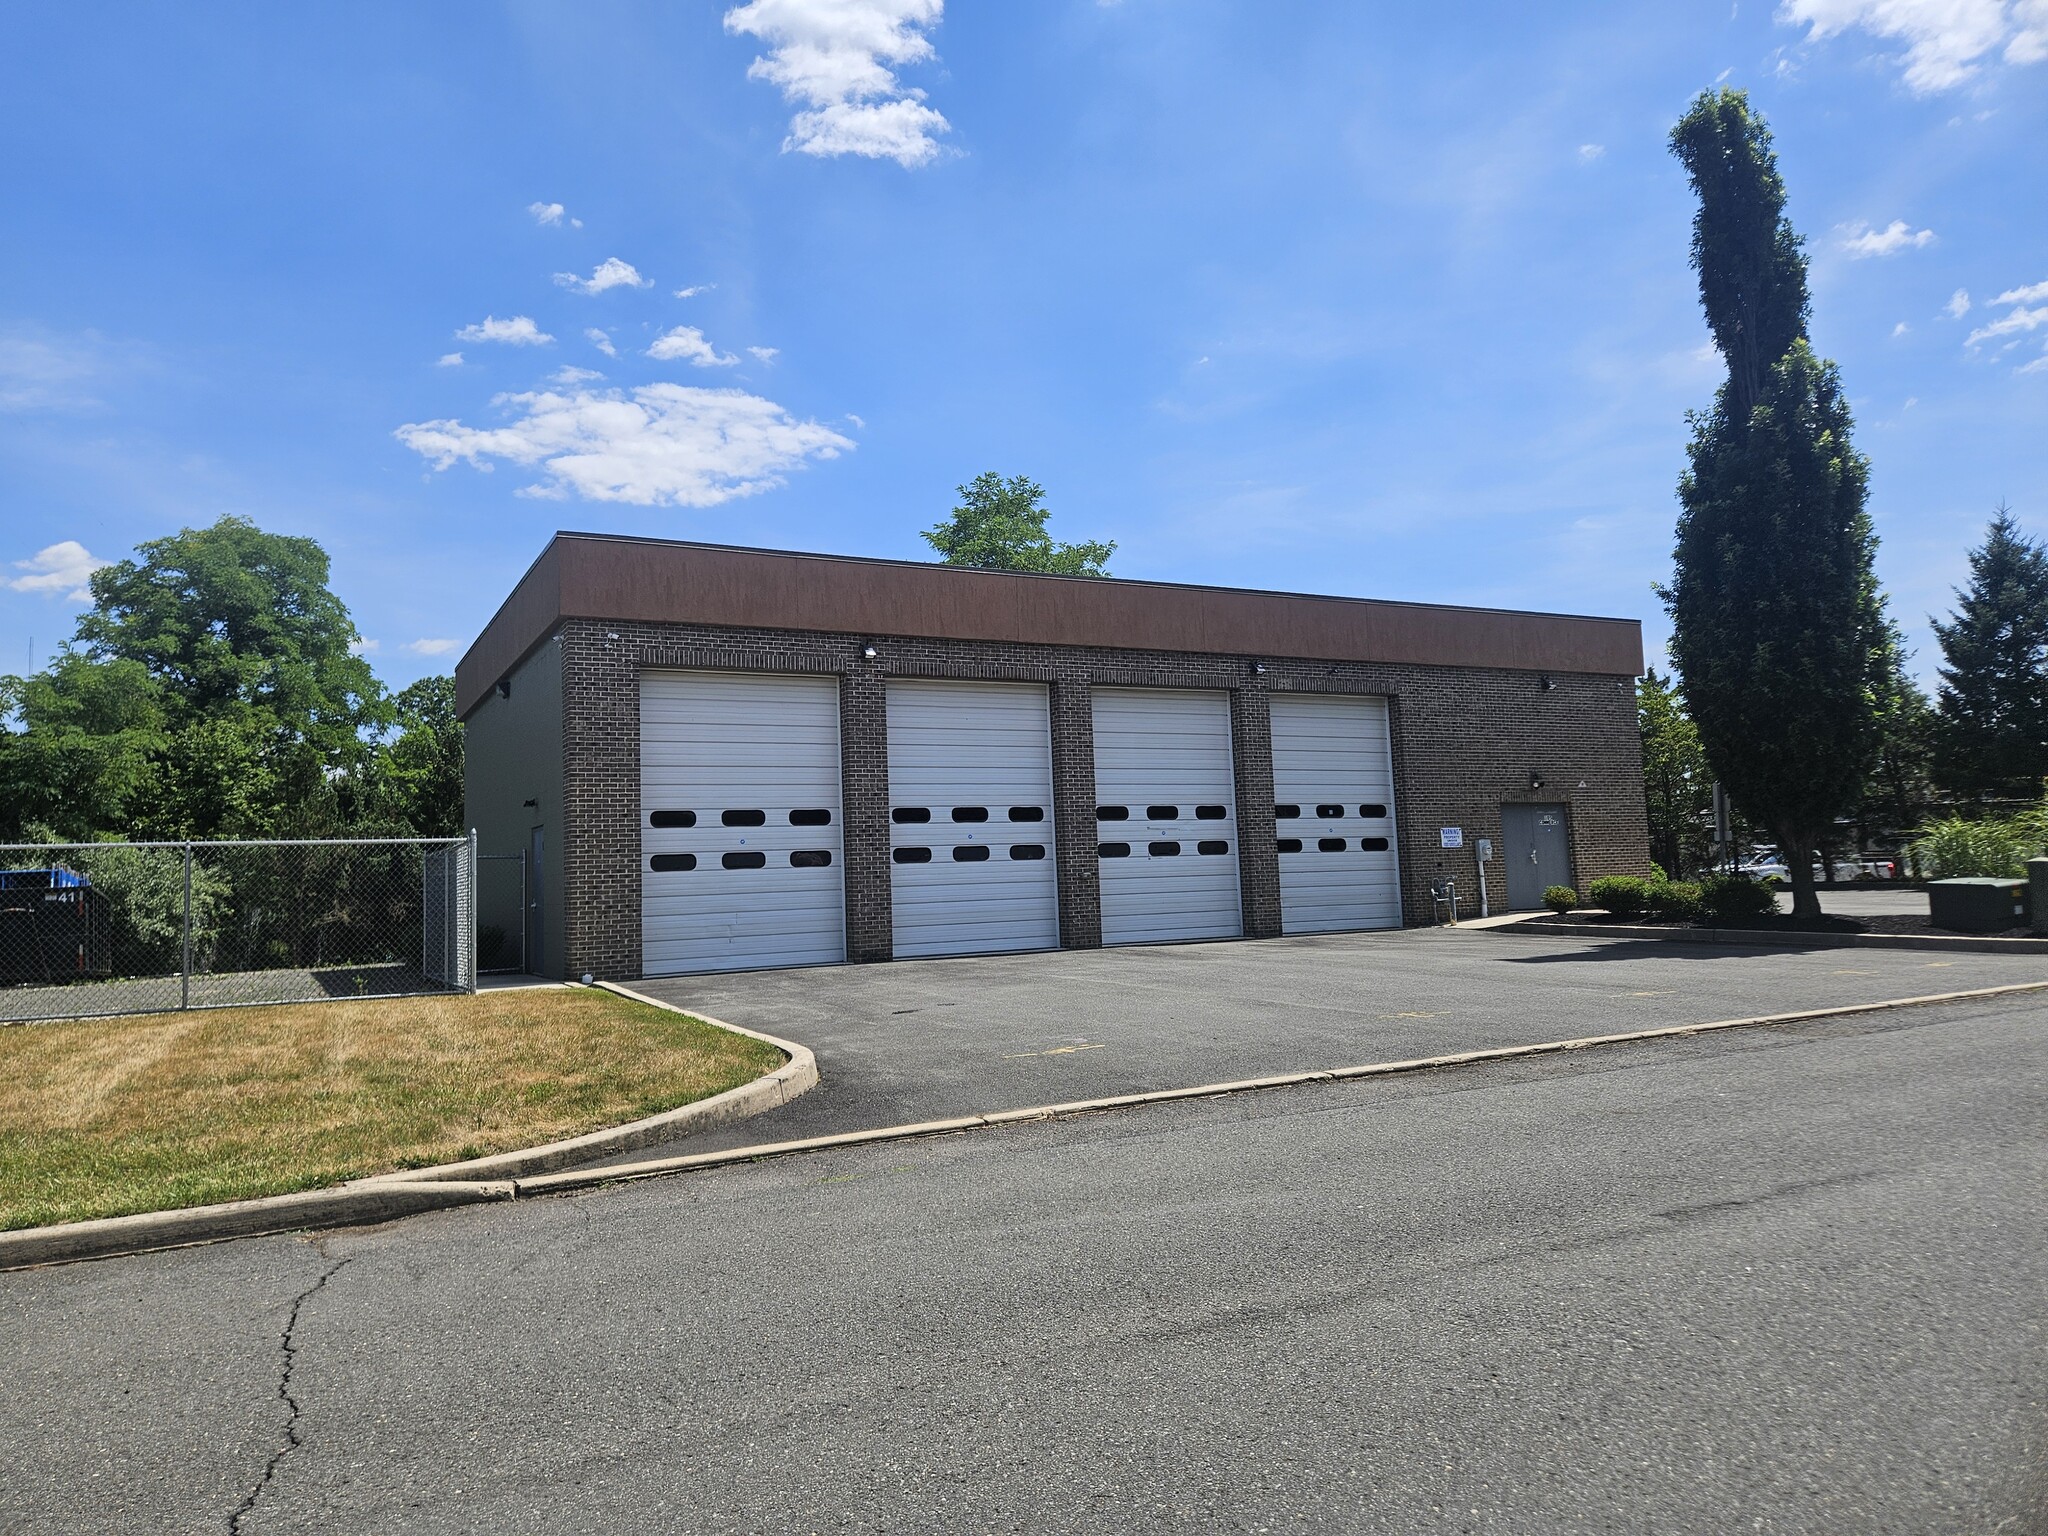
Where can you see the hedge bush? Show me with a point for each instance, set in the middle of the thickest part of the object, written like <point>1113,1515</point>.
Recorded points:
<point>1560,899</point>
<point>1622,895</point>
<point>1736,898</point>
<point>1675,898</point>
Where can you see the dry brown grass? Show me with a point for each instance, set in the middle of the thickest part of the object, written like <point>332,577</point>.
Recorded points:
<point>105,1117</point>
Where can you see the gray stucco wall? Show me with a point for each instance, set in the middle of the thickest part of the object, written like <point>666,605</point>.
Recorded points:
<point>512,753</point>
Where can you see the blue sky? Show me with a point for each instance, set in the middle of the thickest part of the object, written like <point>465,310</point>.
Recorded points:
<point>1321,297</point>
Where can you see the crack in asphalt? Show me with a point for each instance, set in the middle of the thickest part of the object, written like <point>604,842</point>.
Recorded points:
<point>288,1362</point>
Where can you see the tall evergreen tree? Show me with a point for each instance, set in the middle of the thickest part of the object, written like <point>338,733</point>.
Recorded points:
<point>1779,633</point>
<point>1991,730</point>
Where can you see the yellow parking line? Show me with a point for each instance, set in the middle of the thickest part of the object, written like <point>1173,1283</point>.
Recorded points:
<point>1058,1050</point>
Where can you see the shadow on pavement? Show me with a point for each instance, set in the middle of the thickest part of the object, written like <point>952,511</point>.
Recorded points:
<point>1648,949</point>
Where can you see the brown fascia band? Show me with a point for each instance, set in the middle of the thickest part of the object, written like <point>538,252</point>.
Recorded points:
<point>604,577</point>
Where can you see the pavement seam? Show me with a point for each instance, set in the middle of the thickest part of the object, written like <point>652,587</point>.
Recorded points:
<point>289,1360</point>
<point>579,1179</point>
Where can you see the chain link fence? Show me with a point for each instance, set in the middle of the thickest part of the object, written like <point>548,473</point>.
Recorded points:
<point>89,929</point>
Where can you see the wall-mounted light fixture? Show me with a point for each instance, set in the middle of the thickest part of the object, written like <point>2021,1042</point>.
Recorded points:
<point>1535,781</point>
<point>504,687</point>
<point>1545,682</point>
<point>1258,669</point>
<point>868,651</point>
<point>530,804</point>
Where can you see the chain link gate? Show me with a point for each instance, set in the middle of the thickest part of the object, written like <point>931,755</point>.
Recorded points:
<point>92,929</point>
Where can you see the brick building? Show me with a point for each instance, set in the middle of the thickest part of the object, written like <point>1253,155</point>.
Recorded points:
<point>712,758</point>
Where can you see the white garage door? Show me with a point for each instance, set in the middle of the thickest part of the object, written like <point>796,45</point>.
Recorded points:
<point>1165,816</point>
<point>1333,781</point>
<point>970,819</point>
<point>739,822</point>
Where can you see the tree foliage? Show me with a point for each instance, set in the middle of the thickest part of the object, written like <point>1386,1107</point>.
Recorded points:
<point>999,525</point>
<point>1780,637</point>
<point>1898,791</point>
<point>212,692</point>
<point>1678,786</point>
<point>1991,734</point>
<point>415,780</point>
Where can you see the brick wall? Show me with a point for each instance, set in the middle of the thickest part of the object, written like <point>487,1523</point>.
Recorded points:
<point>1465,740</point>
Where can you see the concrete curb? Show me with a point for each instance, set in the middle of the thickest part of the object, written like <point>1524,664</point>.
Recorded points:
<point>383,1200</point>
<point>581,1179</point>
<point>387,1196</point>
<point>1778,939</point>
<point>795,1077</point>
<point>348,1205</point>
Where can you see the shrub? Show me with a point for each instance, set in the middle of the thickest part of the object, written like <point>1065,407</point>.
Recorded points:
<point>1623,895</point>
<point>1675,898</point>
<point>1953,849</point>
<point>1736,898</point>
<point>1560,899</point>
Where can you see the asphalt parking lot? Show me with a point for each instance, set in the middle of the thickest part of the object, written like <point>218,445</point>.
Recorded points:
<point>1785,1279</point>
<point>928,1039</point>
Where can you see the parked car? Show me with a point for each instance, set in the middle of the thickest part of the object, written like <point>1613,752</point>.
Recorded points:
<point>1768,866</point>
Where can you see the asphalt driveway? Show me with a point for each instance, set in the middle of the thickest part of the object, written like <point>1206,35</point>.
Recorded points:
<point>928,1039</point>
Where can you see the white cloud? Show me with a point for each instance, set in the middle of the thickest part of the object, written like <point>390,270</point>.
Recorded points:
<point>1946,41</point>
<point>574,375</point>
<point>2020,321</point>
<point>859,425</point>
<point>695,289</point>
<point>58,570</point>
<point>1901,328</point>
<point>835,57</point>
<point>2031,294</point>
<point>2029,45</point>
<point>659,445</point>
<point>601,340</point>
<point>765,354</point>
<point>449,360</point>
<point>546,213</point>
<point>686,341</point>
<point>1860,240</point>
<point>610,273</point>
<point>39,373</point>
<point>2038,365</point>
<point>1958,304</point>
<point>1588,153</point>
<point>361,647</point>
<point>431,647</point>
<point>519,331</point>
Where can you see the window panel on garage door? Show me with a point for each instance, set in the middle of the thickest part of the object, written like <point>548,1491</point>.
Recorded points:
<point>1333,784</point>
<point>971,868</point>
<point>1166,816</point>
<point>740,845</point>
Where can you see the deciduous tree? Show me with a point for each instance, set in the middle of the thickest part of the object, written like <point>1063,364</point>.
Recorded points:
<point>1678,786</point>
<point>999,525</point>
